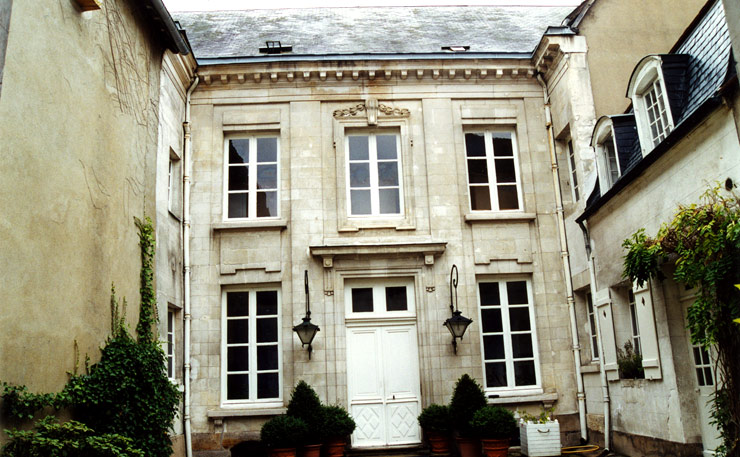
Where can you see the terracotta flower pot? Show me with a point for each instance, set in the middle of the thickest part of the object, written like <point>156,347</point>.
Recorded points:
<point>311,450</point>
<point>496,448</point>
<point>335,447</point>
<point>468,447</point>
<point>439,442</point>
<point>283,452</point>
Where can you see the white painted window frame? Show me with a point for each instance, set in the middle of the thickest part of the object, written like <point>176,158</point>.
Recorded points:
<point>510,389</point>
<point>171,343</point>
<point>572,169</point>
<point>490,166</point>
<point>604,132</point>
<point>252,182</point>
<point>253,402</point>
<point>634,323</point>
<point>374,183</point>
<point>648,75</point>
<point>378,284</point>
<point>593,336</point>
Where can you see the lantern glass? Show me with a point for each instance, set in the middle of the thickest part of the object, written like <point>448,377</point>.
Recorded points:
<point>457,324</point>
<point>306,331</point>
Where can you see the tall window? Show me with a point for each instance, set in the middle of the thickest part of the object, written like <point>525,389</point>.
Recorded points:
<point>592,335</point>
<point>657,115</point>
<point>170,343</point>
<point>703,365</point>
<point>508,336</point>
<point>634,325</point>
<point>610,159</point>
<point>374,175</point>
<point>493,171</point>
<point>252,178</point>
<point>250,347</point>
<point>572,169</point>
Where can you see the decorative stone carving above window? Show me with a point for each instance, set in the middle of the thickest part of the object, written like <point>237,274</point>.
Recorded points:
<point>372,107</point>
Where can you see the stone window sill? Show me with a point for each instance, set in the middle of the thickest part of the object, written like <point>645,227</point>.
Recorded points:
<point>486,216</point>
<point>548,398</point>
<point>244,412</point>
<point>592,367</point>
<point>270,224</point>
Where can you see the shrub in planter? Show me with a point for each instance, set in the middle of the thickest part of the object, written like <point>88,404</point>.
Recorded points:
<point>338,424</point>
<point>435,420</point>
<point>305,405</point>
<point>283,432</point>
<point>495,426</point>
<point>467,398</point>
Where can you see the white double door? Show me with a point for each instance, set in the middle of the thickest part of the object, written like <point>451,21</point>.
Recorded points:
<point>383,384</point>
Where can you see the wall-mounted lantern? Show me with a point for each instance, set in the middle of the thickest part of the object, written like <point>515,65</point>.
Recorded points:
<point>306,331</point>
<point>458,323</point>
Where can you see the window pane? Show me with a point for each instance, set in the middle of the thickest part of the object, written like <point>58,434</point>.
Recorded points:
<point>475,145</point>
<point>237,331</point>
<point>489,295</point>
<point>266,176</point>
<point>268,385</point>
<point>395,299</point>
<point>389,201</point>
<point>238,178</point>
<point>239,151</point>
<point>362,300</point>
<point>267,330</point>
<point>517,292</point>
<point>387,173</point>
<point>507,198</point>
<point>519,319</point>
<point>521,346</point>
<point>704,356</point>
<point>700,377</point>
<point>266,149</point>
<point>267,303</point>
<point>238,358</point>
<point>169,367</point>
<point>237,387</point>
<point>524,373</point>
<point>360,201</point>
<point>505,171</point>
<point>238,205</point>
<point>493,347</point>
<point>358,148</point>
<point>267,357</point>
<point>491,320</point>
<point>386,147</point>
<point>495,374</point>
<point>477,171</point>
<point>359,174</point>
<point>708,376</point>
<point>267,204</point>
<point>502,144</point>
<point>237,304</point>
<point>480,198</point>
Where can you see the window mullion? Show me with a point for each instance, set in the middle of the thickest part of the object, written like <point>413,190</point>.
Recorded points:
<point>491,167</point>
<point>374,185</point>
<point>252,181</point>
<point>252,341</point>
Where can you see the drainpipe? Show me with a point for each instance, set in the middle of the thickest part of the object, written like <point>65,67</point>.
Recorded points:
<point>186,160</point>
<point>602,371</point>
<point>581,394</point>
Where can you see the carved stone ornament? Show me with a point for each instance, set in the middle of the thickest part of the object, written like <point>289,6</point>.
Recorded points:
<point>384,109</point>
<point>390,111</point>
<point>347,112</point>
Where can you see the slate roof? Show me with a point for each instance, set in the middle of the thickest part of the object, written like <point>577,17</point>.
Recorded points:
<point>373,30</point>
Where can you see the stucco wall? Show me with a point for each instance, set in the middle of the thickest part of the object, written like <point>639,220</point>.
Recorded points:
<point>79,136</point>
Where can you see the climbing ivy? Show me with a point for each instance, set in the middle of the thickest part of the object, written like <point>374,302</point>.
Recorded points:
<point>703,241</point>
<point>126,393</point>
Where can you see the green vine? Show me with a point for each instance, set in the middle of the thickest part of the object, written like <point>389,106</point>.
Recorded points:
<point>125,404</point>
<point>703,241</point>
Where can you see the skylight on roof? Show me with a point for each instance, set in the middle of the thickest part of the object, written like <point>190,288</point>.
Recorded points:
<point>455,48</point>
<point>275,47</point>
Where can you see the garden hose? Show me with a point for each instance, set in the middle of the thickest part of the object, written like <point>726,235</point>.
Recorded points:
<point>579,449</point>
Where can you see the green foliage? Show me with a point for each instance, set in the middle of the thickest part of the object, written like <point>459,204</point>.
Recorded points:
<point>494,422</point>
<point>435,418</point>
<point>703,241</point>
<point>305,405</point>
<point>284,432</point>
<point>70,439</point>
<point>337,422</point>
<point>467,398</point>
<point>629,362</point>
<point>543,417</point>
<point>126,393</point>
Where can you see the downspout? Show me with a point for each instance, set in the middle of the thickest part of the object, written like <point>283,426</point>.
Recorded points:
<point>186,265</point>
<point>602,370</point>
<point>581,394</point>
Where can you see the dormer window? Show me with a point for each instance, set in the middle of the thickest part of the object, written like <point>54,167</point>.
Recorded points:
<point>607,161</point>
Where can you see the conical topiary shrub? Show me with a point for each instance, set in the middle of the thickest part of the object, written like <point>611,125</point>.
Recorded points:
<point>305,405</point>
<point>467,398</point>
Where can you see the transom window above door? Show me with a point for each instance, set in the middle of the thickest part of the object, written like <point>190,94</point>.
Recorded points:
<point>252,177</point>
<point>374,174</point>
<point>379,298</point>
<point>493,171</point>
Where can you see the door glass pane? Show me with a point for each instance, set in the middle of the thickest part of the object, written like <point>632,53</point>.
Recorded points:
<point>266,149</point>
<point>477,171</point>
<point>519,319</point>
<point>491,320</point>
<point>267,303</point>
<point>489,295</point>
<point>239,178</point>
<point>395,299</point>
<point>708,376</point>
<point>475,145</point>
<point>502,144</point>
<point>360,201</point>
<point>238,358</point>
<point>267,357</point>
<point>507,198</point>
<point>524,373</point>
<point>495,374</point>
<point>386,147</point>
<point>521,345</point>
<point>237,331</point>
<point>362,300</point>
<point>268,385</point>
<point>239,151</point>
<point>238,205</point>
<point>493,347</point>
<point>387,173</point>
<point>389,201</point>
<point>480,198</point>
<point>358,148</point>
<point>267,204</point>
<point>359,174</point>
<point>267,329</point>
<point>237,304</point>
<point>237,387</point>
<point>700,377</point>
<point>266,176</point>
<point>517,292</point>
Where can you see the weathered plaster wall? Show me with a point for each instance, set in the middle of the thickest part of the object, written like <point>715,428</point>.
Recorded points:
<point>79,137</point>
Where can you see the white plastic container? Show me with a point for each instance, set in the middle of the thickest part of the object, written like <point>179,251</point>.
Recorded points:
<point>540,440</point>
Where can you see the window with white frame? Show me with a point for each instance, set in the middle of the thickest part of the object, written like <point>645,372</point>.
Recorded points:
<point>174,184</point>
<point>508,336</point>
<point>252,178</point>
<point>379,298</point>
<point>647,90</point>
<point>374,174</point>
<point>572,170</point>
<point>493,171</point>
<point>634,326</point>
<point>170,354</point>
<point>251,365</point>
<point>657,112</point>
<point>703,365</point>
<point>592,335</point>
<point>607,159</point>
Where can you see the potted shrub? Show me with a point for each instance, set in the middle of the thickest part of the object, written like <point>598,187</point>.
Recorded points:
<point>338,424</point>
<point>435,420</point>
<point>495,426</point>
<point>305,405</point>
<point>282,434</point>
<point>467,398</point>
<point>539,435</point>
